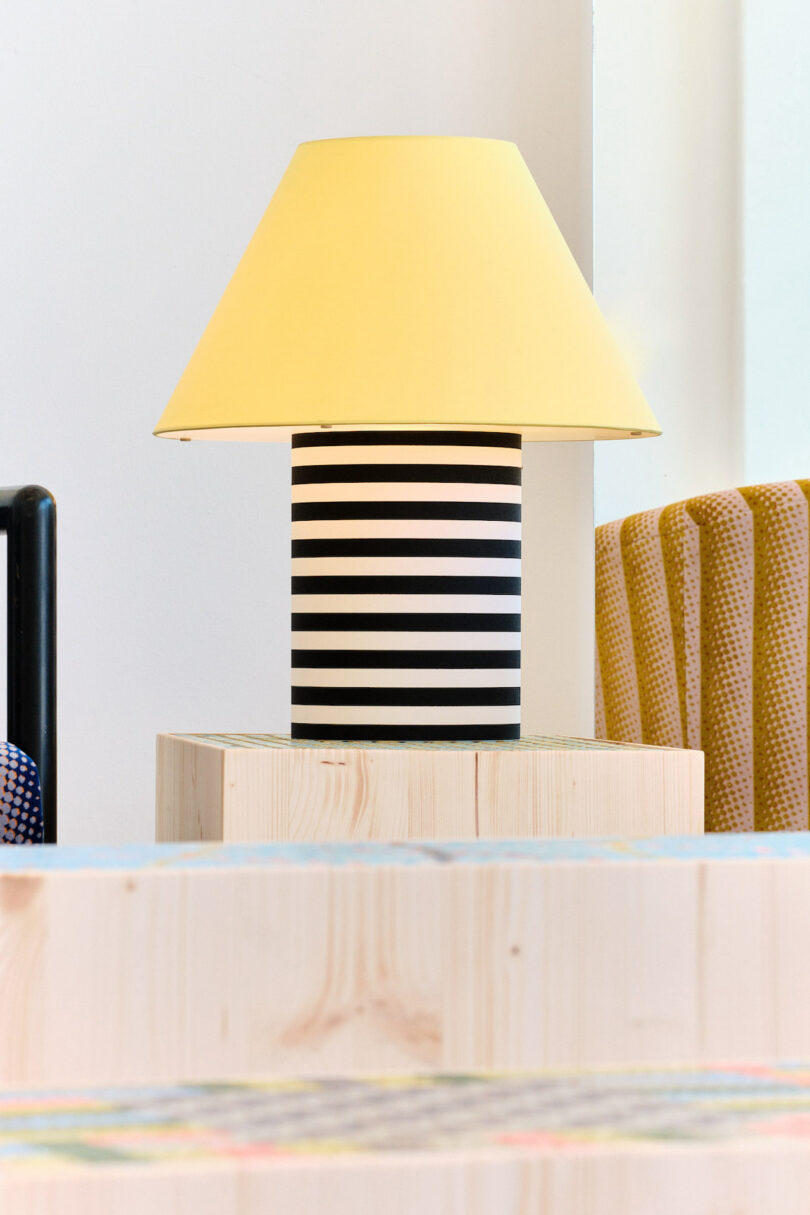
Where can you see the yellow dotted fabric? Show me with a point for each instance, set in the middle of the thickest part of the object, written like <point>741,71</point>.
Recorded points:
<point>652,632</point>
<point>618,691</point>
<point>702,642</point>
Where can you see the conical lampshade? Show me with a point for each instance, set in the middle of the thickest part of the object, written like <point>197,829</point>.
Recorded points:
<point>414,282</point>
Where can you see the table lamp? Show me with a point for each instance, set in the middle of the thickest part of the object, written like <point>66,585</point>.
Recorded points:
<point>407,313</point>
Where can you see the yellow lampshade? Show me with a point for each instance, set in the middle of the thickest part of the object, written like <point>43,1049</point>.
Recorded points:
<point>407,281</point>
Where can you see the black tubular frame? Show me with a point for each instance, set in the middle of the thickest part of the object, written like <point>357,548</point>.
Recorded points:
<point>28,517</point>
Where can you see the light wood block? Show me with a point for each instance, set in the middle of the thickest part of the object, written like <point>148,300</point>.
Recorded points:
<point>700,1142</point>
<point>242,787</point>
<point>183,962</point>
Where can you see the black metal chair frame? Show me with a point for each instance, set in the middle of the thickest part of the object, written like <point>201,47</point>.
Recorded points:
<point>28,517</point>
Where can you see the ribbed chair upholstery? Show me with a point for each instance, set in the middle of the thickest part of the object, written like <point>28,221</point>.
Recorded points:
<point>702,642</point>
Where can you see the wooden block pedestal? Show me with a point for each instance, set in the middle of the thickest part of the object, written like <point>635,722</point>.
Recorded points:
<point>701,1141</point>
<point>180,962</point>
<point>255,787</point>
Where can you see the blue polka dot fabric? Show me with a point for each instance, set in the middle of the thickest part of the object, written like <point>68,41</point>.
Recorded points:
<point>20,798</point>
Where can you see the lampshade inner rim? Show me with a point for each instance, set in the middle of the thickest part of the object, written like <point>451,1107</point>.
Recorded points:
<point>283,433</point>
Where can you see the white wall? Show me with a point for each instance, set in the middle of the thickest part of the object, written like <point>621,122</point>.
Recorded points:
<point>667,239</point>
<point>141,143</point>
<point>777,239</point>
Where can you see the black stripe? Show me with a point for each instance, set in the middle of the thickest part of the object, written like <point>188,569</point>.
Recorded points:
<point>397,585</point>
<point>398,547</point>
<point>405,622</point>
<point>382,733</point>
<point>476,474</point>
<point>451,660</point>
<point>393,438</point>
<point>497,512</point>
<point>405,696</point>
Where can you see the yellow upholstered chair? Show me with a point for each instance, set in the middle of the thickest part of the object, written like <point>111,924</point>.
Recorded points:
<point>702,641</point>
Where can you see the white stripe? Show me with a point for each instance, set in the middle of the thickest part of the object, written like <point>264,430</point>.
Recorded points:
<point>315,639</point>
<point>405,715</point>
<point>406,567</point>
<point>406,453</point>
<point>406,603</point>
<point>401,677</point>
<point>405,491</point>
<point>406,529</point>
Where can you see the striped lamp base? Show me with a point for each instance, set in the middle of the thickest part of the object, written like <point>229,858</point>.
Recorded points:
<point>406,585</point>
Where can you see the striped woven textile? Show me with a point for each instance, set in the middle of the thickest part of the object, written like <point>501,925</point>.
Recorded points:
<point>406,585</point>
<point>702,642</point>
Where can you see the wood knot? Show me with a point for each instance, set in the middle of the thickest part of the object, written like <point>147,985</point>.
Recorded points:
<point>18,891</point>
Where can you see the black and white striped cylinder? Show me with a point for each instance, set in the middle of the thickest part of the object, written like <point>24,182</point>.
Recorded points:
<point>406,585</point>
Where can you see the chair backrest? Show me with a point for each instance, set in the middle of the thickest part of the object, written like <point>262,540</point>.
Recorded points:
<point>28,516</point>
<point>702,641</point>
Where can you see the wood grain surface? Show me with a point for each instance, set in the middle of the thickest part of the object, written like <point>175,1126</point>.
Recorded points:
<point>428,962</point>
<point>210,790</point>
